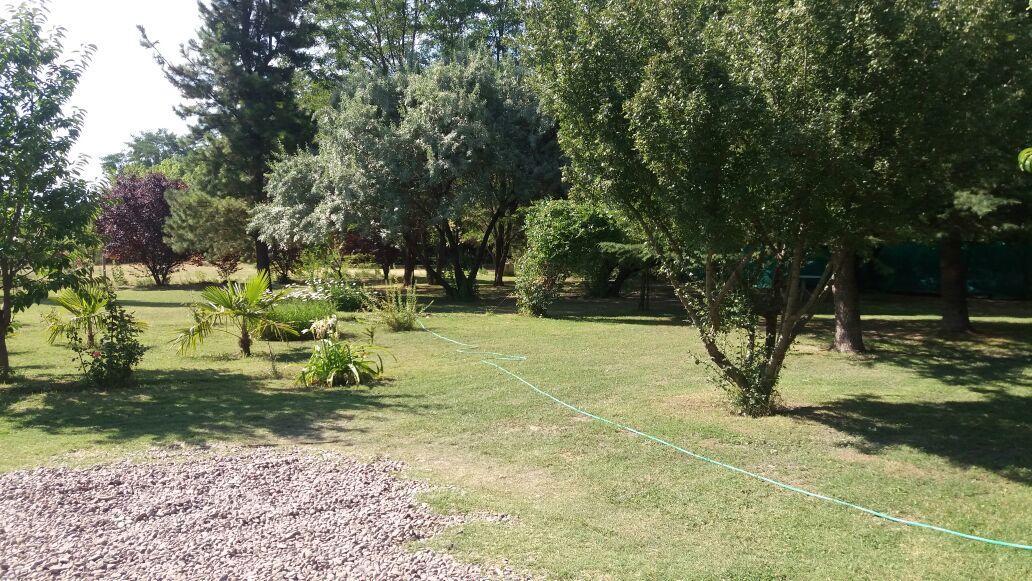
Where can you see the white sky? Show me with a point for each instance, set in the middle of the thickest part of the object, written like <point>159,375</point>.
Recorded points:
<point>124,92</point>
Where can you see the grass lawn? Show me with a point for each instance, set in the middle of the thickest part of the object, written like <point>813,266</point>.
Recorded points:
<point>925,428</point>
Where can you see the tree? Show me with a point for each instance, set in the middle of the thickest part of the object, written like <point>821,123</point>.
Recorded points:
<point>242,310</point>
<point>959,144</point>
<point>732,140</point>
<point>448,152</point>
<point>237,77</point>
<point>213,228</point>
<point>146,151</point>
<point>132,224</point>
<point>45,207</point>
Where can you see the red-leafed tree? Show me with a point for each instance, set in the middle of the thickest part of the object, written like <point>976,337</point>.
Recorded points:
<point>132,224</point>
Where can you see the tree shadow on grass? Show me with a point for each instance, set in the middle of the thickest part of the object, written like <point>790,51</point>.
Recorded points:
<point>196,406</point>
<point>998,355</point>
<point>993,432</point>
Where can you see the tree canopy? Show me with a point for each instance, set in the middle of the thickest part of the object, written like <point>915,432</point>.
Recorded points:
<point>237,78</point>
<point>45,207</point>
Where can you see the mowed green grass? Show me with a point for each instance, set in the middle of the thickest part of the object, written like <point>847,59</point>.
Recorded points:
<point>926,428</point>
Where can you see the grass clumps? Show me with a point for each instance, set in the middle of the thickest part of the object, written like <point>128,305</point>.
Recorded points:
<point>398,309</point>
<point>299,315</point>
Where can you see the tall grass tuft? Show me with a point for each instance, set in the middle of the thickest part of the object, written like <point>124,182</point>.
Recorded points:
<point>398,309</point>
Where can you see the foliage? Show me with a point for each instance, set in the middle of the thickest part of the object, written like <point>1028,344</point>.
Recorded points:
<point>212,227</point>
<point>87,306</point>
<point>564,238</point>
<point>132,223</point>
<point>1025,160</point>
<point>336,363</point>
<point>145,151</point>
<point>299,315</point>
<point>110,362</point>
<point>398,309</point>
<point>242,310</point>
<point>45,207</point>
<point>447,152</point>
<point>238,78</point>
<point>739,142</point>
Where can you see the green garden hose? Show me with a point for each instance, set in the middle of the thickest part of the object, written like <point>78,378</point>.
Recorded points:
<point>494,358</point>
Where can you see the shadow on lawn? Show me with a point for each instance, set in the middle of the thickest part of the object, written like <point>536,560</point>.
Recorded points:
<point>196,406</point>
<point>998,355</point>
<point>991,433</point>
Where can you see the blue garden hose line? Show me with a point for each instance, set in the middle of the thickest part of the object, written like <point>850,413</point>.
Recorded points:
<point>493,360</point>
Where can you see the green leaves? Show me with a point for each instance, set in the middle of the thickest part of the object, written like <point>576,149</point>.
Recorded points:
<point>45,206</point>
<point>246,308</point>
<point>336,363</point>
<point>1025,160</point>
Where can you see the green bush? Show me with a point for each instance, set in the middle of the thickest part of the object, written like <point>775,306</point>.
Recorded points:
<point>336,363</point>
<point>565,237</point>
<point>299,315</point>
<point>117,350</point>
<point>398,309</point>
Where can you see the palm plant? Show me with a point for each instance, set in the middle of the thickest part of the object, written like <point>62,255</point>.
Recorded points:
<point>241,310</point>
<point>86,306</point>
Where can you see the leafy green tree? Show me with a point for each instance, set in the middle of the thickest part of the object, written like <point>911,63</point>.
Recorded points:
<point>215,229</point>
<point>237,77</point>
<point>743,140</point>
<point>972,90</point>
<point>45,207</point>
<point>146,151</point>
<point>241,310</point>
<point>449,152</point>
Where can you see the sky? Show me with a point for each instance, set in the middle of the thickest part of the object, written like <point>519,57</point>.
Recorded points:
<point>123,92</point>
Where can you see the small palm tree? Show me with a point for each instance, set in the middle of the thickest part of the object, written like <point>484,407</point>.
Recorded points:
<point>86,305</point>
<point>240,310</point>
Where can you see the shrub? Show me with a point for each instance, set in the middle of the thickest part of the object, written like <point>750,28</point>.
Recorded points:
<point>110,362</point>
<point>565,237</point>
<point>537,286</point>
<point>299,315</point>
<point>398,309</point>
<point>336,363</point>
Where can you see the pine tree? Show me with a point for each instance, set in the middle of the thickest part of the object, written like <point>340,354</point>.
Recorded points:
<point>237,78</point>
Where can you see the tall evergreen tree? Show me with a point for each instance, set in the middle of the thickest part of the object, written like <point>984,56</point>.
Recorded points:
<point>237,77</point>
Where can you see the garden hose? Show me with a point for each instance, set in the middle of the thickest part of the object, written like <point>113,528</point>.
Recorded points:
<point>493,359</point>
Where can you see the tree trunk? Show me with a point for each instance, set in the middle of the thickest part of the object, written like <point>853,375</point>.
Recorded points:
<point>5,359</point>
<point>245,341</point>
<point>5,324</point>
<point>262,260</point>
<point>845,290</point>
<point>953,284</point>
<point>501,252</point>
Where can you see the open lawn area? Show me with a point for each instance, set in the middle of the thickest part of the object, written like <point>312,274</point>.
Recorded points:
<point>924,428</point>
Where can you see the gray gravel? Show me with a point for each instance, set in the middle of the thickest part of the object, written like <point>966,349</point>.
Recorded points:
<point>260,514</point>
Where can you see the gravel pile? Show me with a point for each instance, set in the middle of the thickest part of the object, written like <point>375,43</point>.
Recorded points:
<point>262,514</point>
